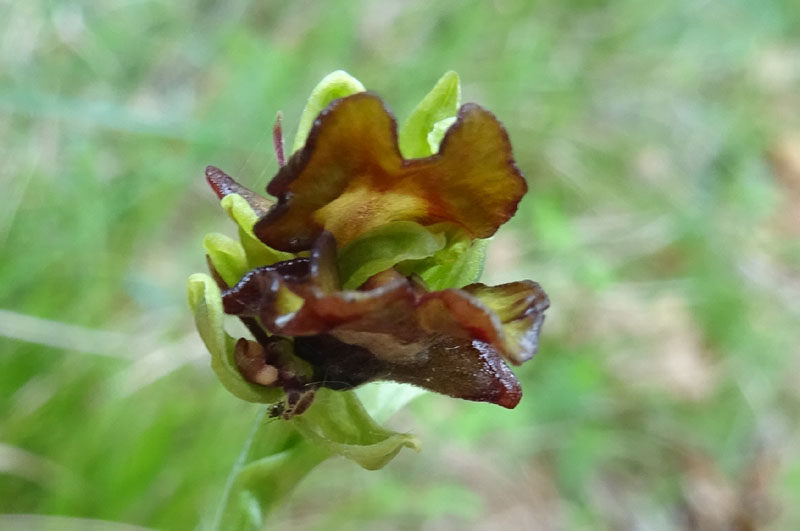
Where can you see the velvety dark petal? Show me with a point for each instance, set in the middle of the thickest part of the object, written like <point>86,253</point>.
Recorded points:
<point>470,370</point>
<point>392,328</point>
<point>520,308</point>
<point>223,184</point>
<point>350,178</point>
<point>259,289</point>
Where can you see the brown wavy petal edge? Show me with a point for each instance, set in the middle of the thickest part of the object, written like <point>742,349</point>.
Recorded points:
<point>392,328</point>
<point>350,177</point>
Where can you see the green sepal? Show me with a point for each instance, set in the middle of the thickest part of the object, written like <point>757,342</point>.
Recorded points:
<point>205,301</point>
<point>258,254</point>
<point>383,247</point>
<point>464,269</point>
<point>227,256</point>
<point>335,85</point>
<point>440,103</point>
<point>458,263</point>
<point>338,423</point>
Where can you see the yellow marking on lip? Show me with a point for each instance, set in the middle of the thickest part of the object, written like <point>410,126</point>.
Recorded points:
<point>361,208</point>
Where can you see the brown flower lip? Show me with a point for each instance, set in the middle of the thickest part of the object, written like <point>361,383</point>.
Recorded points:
<point>392,328</point>
<point>350,177</point>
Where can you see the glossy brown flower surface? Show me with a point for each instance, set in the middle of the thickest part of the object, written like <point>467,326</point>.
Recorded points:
<point>394,328</point>
<point>350,177</point>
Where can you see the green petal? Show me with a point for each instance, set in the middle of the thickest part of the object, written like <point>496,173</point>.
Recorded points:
<point>458,263</point>
<point>227,256</point>
<point>258,254</point>
<point>338,423</point>
<point>464,268</point>
<point>335,85</point>
<point>383,247</point>
<point>437,133</point>
<point>205,301</point>
<point>441,102</point>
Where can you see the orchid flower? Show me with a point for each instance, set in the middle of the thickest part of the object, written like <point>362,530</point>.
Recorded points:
<point>364,267</point>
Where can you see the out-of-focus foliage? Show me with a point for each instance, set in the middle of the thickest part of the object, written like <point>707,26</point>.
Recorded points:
<point>661,142</point>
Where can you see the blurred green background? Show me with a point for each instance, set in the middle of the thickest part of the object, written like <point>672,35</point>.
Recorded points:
<point>661,142</point>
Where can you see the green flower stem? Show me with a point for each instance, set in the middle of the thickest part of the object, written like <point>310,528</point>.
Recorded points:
<point>278,453</point>
<point>273,460</point>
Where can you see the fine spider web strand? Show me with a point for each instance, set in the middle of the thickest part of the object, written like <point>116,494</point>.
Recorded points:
<point>321,383</point>
<point>255,149</point>
<point>278,148</point>
<point>237,467</point>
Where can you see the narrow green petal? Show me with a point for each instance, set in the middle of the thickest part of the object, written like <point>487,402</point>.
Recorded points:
<point>205,301</point>
<point>440,103</point>
<point>335,85</point>
<point>258,254</point>
<point>338,423</point>
<point>383,247</point>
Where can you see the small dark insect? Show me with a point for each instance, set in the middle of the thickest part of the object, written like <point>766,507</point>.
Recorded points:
<point>295,403</point>
<point>276,409</point>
